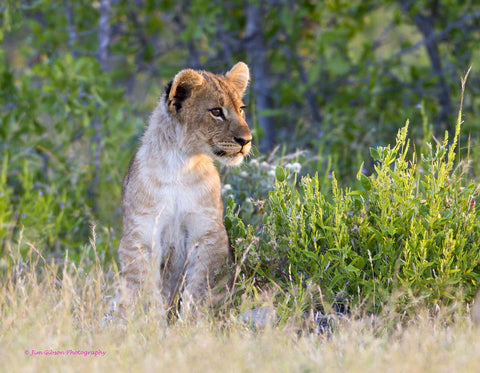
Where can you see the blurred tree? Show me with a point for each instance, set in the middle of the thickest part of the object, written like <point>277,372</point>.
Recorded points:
<point>435,20</point>
<point>337,76</point>
<point>258,58</point>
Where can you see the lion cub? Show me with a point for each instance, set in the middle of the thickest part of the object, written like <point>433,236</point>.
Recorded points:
<point>174,237</point>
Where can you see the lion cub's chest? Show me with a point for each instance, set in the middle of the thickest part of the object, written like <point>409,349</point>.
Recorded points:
<point>184,204</point>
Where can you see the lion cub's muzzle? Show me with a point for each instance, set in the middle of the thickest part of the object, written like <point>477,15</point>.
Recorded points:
<point>232,152</point>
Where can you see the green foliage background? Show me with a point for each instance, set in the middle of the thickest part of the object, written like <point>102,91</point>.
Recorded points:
<point>333,79</point>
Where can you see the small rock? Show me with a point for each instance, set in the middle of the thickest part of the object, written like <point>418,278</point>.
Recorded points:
<point>476,309</point>
<point>260,317</point>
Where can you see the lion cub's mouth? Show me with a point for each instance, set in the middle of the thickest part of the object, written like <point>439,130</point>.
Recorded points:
<point>233,157</point>
<point>219,152</point>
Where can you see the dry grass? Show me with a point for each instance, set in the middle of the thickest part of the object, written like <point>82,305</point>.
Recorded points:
<point>51,307</point>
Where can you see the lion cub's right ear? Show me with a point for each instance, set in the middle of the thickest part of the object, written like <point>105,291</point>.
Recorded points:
<point>239,75</point>
<point>181,87</point>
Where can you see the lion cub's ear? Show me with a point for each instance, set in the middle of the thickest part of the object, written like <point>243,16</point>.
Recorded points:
<point>181,87</point>
<point>239,75</point>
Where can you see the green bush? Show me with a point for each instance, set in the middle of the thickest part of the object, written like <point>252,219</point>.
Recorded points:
<point>65,142</point>
<point>412,229</point>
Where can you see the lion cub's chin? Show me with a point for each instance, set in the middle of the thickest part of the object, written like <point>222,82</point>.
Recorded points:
<point>233,160</point>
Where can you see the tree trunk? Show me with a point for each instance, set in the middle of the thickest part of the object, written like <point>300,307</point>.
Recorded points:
<point>426,26</point>
<point>72,34</point>
<point>96,139</point>
<point>104,34</point>
<point>257,55</point>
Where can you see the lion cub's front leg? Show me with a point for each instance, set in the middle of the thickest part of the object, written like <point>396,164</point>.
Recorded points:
<point>207,275</point>
<point>138,275</point>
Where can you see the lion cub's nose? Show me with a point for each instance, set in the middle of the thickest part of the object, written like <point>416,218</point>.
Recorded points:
<point>243,140</point>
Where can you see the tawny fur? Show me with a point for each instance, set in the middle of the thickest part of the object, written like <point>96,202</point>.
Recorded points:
<point>174,237</point>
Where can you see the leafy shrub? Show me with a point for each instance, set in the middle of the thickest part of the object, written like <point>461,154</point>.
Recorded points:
<point>65,141</point>
<point>412,229</point>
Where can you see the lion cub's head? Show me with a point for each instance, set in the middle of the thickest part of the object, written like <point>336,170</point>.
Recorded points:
<point>211,108</point>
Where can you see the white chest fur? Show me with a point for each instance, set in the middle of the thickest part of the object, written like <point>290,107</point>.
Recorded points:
<point>185,202</point>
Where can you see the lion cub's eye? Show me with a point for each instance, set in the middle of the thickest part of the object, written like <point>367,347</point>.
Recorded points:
<point>242,109</point>
<point>217,112</point>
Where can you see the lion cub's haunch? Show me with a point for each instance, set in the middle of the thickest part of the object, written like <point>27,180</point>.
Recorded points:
<point>174,235</point>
